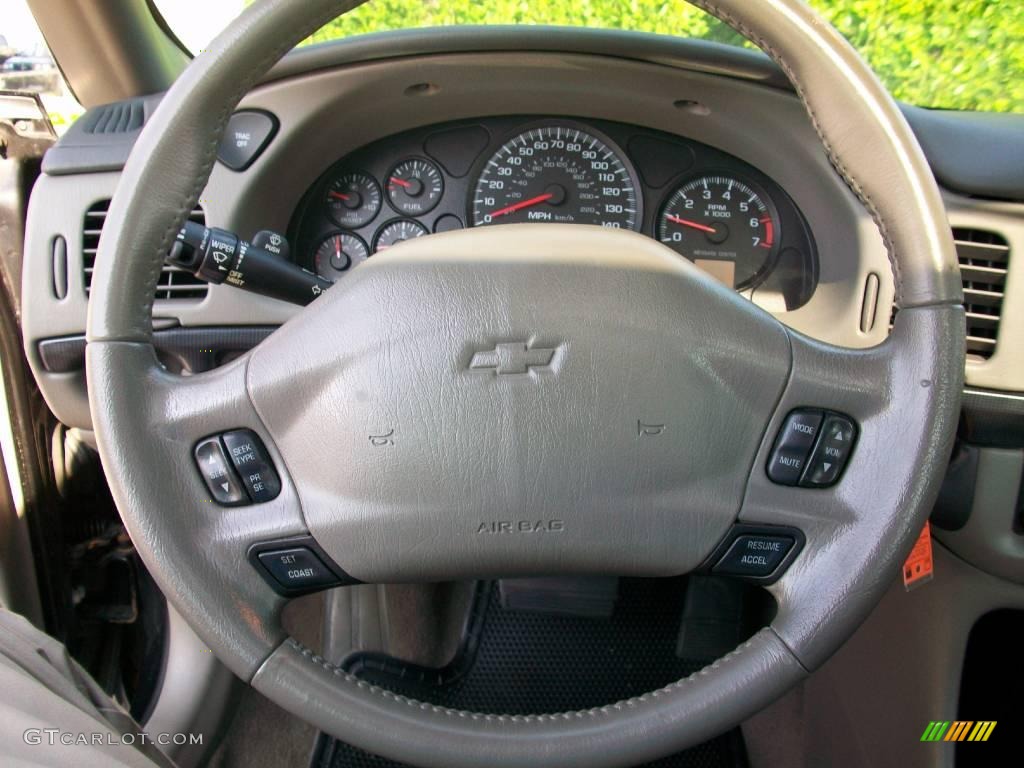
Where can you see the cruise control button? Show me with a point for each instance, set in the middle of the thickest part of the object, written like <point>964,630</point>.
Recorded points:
<point>793,445</point>
<point>217,473</point>
<point>297,569</point>
<point>754,555</point>
<point>253,464</point>
<point>830,454</point>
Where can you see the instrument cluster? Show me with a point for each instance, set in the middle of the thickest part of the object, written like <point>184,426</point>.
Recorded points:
<point>723,214</point>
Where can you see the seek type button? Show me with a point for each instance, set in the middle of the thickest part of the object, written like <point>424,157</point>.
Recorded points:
<point>754,555</point>
<point>793,445</point>
<point>831,452</point>
<point>252,464</point>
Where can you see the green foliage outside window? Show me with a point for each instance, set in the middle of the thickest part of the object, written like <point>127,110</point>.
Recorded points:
<point>957,54</point>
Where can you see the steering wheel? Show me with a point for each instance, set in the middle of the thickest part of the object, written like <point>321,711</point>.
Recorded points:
<point>468,405</point>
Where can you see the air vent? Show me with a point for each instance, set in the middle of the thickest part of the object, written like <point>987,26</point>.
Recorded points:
<point>984,257</point>
<point>122,117</point>
<point>174,283</point>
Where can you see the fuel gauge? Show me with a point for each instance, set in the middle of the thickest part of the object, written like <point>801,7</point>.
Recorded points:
<point>415,187</point>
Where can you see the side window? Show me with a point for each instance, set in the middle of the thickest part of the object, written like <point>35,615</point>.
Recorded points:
<point>27,66</point>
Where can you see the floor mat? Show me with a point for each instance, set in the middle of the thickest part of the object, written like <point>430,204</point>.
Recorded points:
<point>516,662</point>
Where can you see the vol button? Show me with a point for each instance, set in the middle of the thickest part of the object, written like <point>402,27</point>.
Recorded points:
<point>217,473</point>
<point>831,453</point>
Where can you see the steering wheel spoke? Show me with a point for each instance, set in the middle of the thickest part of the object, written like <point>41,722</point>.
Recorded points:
<point>899,397</point>
<point>213,579</point>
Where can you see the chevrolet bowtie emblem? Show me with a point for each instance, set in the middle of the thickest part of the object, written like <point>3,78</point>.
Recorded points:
<point>512,357</point>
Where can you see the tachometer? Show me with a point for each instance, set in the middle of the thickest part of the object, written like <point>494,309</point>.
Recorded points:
<point>557,173</point>
<point>724,226</point>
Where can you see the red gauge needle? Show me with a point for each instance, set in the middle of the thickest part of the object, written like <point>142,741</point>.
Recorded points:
<point>338,195</point>
<point>399,182</point>
<point>521,204</point>
<point>691,224</point>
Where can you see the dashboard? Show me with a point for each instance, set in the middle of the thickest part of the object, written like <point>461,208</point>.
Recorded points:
<point>729,218</point>
<point>382,138</point>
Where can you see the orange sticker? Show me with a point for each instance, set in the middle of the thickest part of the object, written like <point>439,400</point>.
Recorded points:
<point>918,568</point>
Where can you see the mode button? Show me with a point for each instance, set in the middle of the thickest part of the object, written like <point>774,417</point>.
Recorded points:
<point>793,445</point>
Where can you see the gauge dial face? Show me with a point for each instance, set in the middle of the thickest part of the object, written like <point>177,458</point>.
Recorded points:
<point>557,173</point>
<point>337,253</point>
<point>414,187</point>
<point>352,200</point>
<point>724,226</point>
<point>395,232</point>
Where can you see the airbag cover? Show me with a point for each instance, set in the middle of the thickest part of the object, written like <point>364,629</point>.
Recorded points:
<point>524,399</point>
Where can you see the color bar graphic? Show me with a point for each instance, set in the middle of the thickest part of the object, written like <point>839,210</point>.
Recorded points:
<point>958,730</point>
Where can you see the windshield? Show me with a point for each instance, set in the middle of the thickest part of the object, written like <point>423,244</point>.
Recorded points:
<point>953,54</point>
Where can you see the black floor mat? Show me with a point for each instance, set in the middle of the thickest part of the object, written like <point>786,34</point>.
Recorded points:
<point>515,662</point>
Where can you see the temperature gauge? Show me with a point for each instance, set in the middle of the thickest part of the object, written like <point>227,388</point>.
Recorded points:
<point>338,253</point>
<point>415,187</point>
<point>397,231</point>
<point>352,200</point>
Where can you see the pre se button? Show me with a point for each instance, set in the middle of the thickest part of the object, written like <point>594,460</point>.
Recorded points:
<point>253,465</point>
<point>754,555</point>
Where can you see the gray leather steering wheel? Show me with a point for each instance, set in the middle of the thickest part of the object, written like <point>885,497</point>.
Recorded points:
<point>637,334</point>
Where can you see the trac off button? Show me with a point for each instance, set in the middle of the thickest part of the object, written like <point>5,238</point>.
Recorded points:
<point>754,555</point>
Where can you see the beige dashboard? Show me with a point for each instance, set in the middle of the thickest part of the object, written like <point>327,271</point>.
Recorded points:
<point>327,112</point>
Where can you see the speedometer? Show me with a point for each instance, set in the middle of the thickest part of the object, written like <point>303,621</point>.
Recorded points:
<point>557,173</point>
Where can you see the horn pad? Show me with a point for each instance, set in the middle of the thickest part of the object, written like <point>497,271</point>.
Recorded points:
<point>521,400</point>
